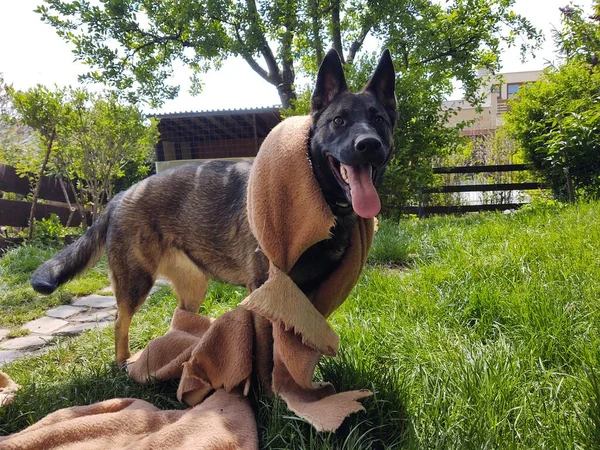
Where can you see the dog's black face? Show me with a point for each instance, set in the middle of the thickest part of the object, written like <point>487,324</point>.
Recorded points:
<point>351,135</point>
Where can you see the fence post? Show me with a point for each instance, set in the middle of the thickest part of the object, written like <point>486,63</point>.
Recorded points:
<point>570,190</point>
<point>420,200</point>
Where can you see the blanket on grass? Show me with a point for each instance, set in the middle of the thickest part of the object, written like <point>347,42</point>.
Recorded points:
<point>272,341</point>
<point>8,388</point>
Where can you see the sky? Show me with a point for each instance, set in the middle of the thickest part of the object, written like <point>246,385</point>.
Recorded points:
<point>31,53</point>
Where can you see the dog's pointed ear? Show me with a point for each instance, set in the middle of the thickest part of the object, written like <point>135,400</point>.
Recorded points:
<point>383,82</point>
<point>330,82</point>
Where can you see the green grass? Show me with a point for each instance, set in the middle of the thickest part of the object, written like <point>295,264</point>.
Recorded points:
<point>19,303</point>
<point>487,338</point>
<point>17,332</point>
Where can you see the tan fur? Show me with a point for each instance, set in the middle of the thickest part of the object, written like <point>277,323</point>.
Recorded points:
<point>189,283</point>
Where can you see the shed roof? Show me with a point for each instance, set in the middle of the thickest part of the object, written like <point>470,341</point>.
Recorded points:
<point>217,112</point>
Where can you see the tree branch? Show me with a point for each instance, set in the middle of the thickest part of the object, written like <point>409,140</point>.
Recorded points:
<point>357,44</point>
<point>254,65</point>
<point>156,39</point>
<point>405,55</point>
<point>336,34</point>
<point>453,50</point>
<point>258,69</point>
<point>265,49</point>
<point>286,91</point>
<point>316,30</point>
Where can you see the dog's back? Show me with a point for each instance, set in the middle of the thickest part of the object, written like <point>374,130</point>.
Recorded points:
<point>198,210</point>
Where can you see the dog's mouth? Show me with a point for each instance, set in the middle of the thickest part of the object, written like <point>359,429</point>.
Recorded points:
<point>357,184</point>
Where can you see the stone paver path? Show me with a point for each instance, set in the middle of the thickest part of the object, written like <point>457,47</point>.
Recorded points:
<point>92,311</point>
<point>31,342</point>
<point>45,325</point>
<point>7,356</point>
<point>97,301</point>
<point>64,311</point>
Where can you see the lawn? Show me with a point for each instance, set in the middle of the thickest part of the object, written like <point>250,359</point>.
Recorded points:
<point>474,332</point>
<point>19,303</point>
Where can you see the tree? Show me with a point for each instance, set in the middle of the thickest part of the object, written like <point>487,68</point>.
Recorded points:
<point>132,44</point>
<point>557,119</point>
<point>14,136</point>
<point>101,137</point>
<point>579,38</point>
<point>85,139</point>
<point>41,110</point>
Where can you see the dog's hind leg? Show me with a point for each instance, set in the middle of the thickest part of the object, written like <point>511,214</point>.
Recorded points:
<point>130,297</point>
<point>189,282</point>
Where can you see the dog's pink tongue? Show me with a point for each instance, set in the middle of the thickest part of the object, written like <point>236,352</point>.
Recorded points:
<point>365,200</point>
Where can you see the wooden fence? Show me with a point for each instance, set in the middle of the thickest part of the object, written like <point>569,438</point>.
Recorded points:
<point>424,210</point>
<point>15,213</point>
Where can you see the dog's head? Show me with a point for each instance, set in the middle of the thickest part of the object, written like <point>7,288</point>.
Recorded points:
<point>351,135</point>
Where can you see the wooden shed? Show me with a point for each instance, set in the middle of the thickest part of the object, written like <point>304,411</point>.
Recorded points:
<point>220,134</point>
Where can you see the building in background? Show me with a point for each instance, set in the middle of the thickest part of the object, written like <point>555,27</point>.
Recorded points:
<point>498,91</point>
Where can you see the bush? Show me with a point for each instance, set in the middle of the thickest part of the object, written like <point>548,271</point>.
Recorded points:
<point>49,231</point>
<point>557,119</point>
<point>557,122</point>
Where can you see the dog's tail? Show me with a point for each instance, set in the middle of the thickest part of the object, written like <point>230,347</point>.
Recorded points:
<point>76,258</point>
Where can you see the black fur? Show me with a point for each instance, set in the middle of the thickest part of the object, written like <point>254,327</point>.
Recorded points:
<point>360,140</point>
<point>361,114</point>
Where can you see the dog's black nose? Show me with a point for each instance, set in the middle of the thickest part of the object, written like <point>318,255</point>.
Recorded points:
<point>367,144</point>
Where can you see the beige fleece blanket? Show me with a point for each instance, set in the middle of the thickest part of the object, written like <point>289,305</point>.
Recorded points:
<point>225,421</point>
<point>275,338</point>
<point>8,388</point>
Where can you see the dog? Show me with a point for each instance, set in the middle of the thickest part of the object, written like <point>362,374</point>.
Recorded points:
<point>189,224</point>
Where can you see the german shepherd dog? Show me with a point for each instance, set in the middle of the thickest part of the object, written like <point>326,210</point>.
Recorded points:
<point>189,223</point>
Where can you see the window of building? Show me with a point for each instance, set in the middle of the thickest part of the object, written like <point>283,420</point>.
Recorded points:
<point>512,89</point>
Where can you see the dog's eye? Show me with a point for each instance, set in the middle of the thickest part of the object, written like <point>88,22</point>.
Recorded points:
<point>379,120</point>
<point>339,121</point>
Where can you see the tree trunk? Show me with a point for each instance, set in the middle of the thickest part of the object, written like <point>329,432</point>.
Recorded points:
<point>570,190</point>
<point>95,200</point>
<point>336,33</point>
<point>66,195</point>
<point>38,187</point>
<point>79,204</point>
<point>316,31</point>
<point>286,93</point>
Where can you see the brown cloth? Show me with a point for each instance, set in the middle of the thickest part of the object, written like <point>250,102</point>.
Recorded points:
<point>7,389</point>
<point>287,214</point>
<point>225,421</point>
<point>277,335</point>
